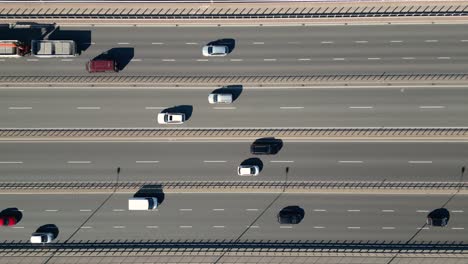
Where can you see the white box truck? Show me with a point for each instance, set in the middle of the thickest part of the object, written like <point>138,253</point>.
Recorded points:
<point>53,48</point>
<point>142,203</point>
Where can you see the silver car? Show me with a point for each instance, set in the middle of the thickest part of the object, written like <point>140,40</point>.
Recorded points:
<point>220,98</point>
<point>215,50</point>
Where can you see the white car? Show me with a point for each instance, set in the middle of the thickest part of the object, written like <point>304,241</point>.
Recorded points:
<point>39,238</point>
<point>248,170</point>
<point>219,98</point>
<point>171,118</point>
<point>215,50</point>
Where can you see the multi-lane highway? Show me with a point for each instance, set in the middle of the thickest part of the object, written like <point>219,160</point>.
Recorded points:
<point>201,161</point>
<point>126,108</point>
<point>259,50</point>
<point>226,216</point>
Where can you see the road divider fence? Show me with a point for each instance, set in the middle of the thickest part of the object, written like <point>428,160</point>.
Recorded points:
<point>259,80</point>
<point>232,11</point>
<point>135,247</point>
<point>236,186</point>
<point>361,133</point>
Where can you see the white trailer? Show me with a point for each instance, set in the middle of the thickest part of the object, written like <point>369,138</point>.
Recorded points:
<point>12,49</point>
<point>54,48</point>
<point>142,204</point>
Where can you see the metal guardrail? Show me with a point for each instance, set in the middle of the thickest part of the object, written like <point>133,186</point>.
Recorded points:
<point>139,247</point>
<point>253,185</point>
<point>131,133</point>
<point>193,13</point>
<point>234,79</point>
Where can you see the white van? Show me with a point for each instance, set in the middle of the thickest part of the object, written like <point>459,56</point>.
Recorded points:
<point>144,203</point>
<point>38,238</point>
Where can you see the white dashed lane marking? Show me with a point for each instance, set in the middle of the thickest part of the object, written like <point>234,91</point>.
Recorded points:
<point>11,162</point>
<point>354,227</point>
<point>251,210</point>
<point>327,42</point>
<point>396,41</point>
<point>388,211</point>
<point>214,161</point>
<point>350,161</point>
<point>168,60</point>
<point>51,210</point>
<point>218,226</point>
<point>282,161</point>
<point>185,226</point>
<point>78,162</point>
<point>118,226</point>
<point>361,41</point>
<point>269,59</point>
<point>304,59</point>
<point>224,107</point>
<point>218,209</point>
<point>154,107</point>
<point>320,210</point>
<point>86,227</point>
<point>338,59</point>
<point>259,43</point>
<point>152,227</point>
<point>354,210</point>
<point>20,108</point>
<point>185,210</point>
<point>147,161</point>
<point>420,161</point>
<point>157,43</point>
<point>118,210</point>
<point>291,107</point>
<point>285,226</point>
<point>319,227</point>
<point>85,210</point>
<point>88,108</point>
<point>388,227</point>
<point>360,107</point>
<point>431,106</point>
<point>422,211</point>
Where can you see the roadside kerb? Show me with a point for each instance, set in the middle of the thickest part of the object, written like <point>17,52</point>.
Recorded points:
<point>343,187</point>
<point>325,133</point>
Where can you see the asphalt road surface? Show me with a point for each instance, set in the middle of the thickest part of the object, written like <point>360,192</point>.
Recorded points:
<point>218,161</point>
<point>256,50</point>
<point>397,107</point>
<point>390,218</point>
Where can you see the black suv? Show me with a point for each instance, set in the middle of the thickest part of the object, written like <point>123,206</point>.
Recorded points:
<point>438,217</point>
<point>291,215</point>
<point>266,146</point>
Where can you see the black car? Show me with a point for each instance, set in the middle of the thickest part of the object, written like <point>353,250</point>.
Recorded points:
<point>438,217</point>
<point>291,215</point>
<point>266,146</point>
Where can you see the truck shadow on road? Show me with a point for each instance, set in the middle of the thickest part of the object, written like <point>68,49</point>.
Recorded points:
<point>151,190</point>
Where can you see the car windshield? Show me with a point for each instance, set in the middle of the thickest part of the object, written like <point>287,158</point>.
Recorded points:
<point>210,50</point>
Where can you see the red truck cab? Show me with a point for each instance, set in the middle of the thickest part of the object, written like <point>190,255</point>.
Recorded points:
<point>101,66</point>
